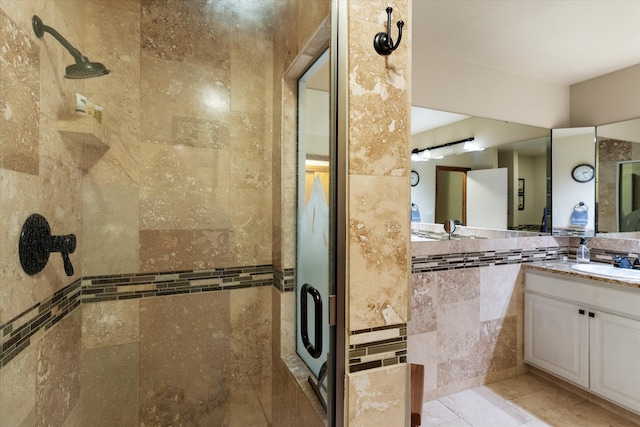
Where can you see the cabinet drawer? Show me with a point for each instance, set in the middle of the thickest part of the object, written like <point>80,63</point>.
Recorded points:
<point>614,299</point>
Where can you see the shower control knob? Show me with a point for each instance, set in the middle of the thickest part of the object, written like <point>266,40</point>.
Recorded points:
<point>36,244</point>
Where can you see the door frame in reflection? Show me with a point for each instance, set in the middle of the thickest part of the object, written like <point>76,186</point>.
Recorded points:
<point>440,214</point>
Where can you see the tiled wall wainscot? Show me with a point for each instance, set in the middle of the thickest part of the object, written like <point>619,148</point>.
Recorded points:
<point>466,316</point>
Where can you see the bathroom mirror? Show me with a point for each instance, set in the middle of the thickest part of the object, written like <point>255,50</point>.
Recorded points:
<point>573,192</point>
<point>520,149</point>
<point>617,186</point>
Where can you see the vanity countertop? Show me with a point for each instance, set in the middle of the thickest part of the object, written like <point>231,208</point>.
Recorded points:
<point>564,268</point>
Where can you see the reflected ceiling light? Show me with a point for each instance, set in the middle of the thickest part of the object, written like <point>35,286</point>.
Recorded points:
<point>439,151</point>
<point>472,146</point>
<point>415,155</point>
<point>321,163</point>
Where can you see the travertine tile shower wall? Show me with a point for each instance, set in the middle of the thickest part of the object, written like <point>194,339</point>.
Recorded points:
<point>182,182</point>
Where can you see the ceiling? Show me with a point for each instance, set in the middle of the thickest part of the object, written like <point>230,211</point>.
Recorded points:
<point>559,42</point>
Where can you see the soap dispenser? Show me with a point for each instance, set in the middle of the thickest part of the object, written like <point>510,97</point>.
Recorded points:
<point>583,254</point>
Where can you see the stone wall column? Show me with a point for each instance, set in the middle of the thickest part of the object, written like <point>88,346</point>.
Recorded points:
<point>378,215</point>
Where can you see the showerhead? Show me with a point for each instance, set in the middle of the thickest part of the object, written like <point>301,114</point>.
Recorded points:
<point>83,68</point>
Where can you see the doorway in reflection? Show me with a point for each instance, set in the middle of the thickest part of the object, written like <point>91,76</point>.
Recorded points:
<point>451,194</point>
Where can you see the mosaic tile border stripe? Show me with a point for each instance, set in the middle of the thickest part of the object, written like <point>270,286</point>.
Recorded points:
<point>454,261</point>
<point>16,334</point>
<point>376,347</point>
<point>284,280</point>
<point>607,256</point>
<point>145,285</point>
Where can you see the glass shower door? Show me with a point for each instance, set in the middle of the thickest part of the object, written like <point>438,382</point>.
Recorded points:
<point>313,223</point>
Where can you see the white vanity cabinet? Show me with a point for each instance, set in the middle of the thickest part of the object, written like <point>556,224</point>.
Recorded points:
<point>585,332</point>
<point>557,338</point>
<point>615,358</point>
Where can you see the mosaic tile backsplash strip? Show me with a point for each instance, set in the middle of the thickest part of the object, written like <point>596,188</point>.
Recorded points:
<point>17,333</point>
<point>485,258</point>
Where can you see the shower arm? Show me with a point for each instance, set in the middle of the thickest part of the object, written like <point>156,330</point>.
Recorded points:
<point>39,28</point>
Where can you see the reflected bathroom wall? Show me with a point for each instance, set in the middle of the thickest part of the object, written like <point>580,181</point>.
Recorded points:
<point>574,201</point>
<point>520,148</point>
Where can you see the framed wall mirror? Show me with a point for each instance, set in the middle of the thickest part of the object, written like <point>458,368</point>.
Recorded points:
<point>618,179</point>
<point>573,191</point>
<point>511,151</point>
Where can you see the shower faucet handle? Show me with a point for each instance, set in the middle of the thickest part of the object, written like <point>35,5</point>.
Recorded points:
<point>36,244</point>
<point>65,245</point>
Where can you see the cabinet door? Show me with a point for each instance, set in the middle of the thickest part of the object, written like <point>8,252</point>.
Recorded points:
<point>615,358</point>
<point>557,338</point>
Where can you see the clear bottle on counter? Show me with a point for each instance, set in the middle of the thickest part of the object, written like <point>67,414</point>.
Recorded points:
<point>583,254</point>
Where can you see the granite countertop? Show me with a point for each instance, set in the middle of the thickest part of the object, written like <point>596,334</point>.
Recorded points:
<point>564,268</point>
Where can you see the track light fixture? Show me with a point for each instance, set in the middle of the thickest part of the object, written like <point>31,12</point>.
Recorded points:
<point>439,151</point>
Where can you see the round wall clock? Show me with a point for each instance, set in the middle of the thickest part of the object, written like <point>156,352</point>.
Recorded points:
<point>583,173</point>
<point>415,178</point>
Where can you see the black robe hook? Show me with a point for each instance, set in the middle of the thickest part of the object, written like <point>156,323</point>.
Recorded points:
<point>382,42</point>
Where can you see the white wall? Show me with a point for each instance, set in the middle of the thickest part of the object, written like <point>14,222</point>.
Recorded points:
<point>613,97</point>
<point>446,83</point>
<point>487,133</point>
<point>317,122</point>
<point>451,84</point>
<point>624,131</point>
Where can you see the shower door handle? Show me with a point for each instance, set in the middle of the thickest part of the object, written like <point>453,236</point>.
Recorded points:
<point>315,349</point>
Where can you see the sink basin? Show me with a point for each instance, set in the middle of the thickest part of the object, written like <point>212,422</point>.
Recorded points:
<point>608,271</point>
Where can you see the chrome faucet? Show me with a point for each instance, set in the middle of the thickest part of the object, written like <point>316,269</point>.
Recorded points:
<point>449,227</point>
<point>625,262</point>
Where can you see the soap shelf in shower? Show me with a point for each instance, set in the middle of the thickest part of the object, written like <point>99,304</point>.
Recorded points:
<point>84,130</point>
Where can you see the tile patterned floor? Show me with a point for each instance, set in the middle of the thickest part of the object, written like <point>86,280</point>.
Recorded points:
<point>526,400</point>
